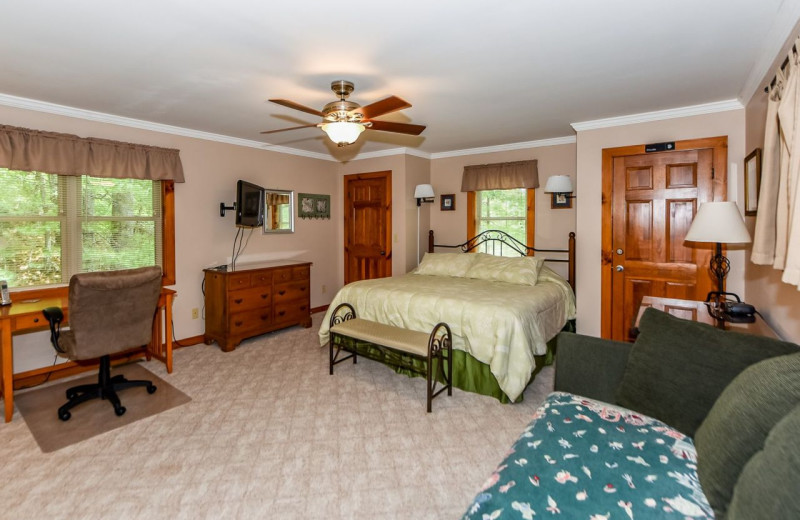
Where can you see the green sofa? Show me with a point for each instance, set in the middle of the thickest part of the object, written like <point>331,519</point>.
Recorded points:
<point>690,421</point>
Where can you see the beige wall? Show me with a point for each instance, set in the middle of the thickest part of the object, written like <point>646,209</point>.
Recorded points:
<point>589,216</point>
<point>552,225</point>
<point>776,301</point>
<point>203,238</point>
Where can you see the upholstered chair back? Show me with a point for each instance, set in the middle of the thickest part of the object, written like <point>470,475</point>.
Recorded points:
<point>111,311</point>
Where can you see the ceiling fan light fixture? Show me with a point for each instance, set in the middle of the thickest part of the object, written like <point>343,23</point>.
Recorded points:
<point>343,132</point>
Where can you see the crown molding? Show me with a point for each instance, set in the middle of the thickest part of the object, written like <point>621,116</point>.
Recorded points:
<point>570,139</point>
<point>660,115</point>
<point>786,21</point>
<point>62,110</point>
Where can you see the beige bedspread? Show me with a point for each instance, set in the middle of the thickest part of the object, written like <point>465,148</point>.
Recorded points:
<point>501,324</point>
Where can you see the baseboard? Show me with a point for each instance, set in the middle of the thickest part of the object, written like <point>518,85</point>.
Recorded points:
<point>323,308</point>
<point>187,342</point>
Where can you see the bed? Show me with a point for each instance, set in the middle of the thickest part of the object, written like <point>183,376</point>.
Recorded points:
<point>502,311</point>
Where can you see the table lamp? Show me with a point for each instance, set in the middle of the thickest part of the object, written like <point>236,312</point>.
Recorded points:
<point>719,222</point>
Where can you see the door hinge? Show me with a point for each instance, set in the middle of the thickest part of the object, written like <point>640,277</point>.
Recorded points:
<point>712,172</point>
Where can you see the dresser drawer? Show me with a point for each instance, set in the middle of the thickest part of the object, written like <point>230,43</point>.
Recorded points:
<point>291,311</point>
<point>252,298</point>
<point>248,321</point>
<point>238,281</point>
<point>261,278</point>
<point>300,273</point>
<point>282,275</point>
<point>291,291</point>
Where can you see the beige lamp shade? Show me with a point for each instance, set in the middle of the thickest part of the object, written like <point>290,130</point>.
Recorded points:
<point>423,191</point>
<point>718,222</point>
<point>558,184</point>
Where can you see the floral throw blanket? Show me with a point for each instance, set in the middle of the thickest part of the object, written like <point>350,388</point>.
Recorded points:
<point>581,458</point>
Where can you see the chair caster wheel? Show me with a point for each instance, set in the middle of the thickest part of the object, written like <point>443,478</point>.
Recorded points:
<point>119,410</point>
<point>151,389</point>
<point>64,416</point>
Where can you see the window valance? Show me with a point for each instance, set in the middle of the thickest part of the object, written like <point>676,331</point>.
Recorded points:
<point>500,176</point>
<point>66,154</point>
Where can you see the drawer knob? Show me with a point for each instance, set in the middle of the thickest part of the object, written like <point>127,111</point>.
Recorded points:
<point>281,292</point>
<point>281,313</point>
<point>238,300</point>
<point>303,307</point>
<point>302,289</point>
<point>36,320</point>
<point>265,296</point>
<point>264,317</point>
<point>238,323</point>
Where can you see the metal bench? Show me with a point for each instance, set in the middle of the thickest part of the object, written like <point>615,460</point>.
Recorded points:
<point>436,345</point>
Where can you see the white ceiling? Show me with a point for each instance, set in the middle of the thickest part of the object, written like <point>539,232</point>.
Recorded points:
<point>478,74</point>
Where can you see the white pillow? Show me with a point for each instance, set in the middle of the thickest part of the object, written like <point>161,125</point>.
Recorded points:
<point>520,270</point>
<point>445,264</point>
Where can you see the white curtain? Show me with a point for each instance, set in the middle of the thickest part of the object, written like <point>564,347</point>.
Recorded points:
<point>776,239</point>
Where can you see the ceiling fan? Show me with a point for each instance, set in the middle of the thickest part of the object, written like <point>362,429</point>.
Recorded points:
<point>344,120</point>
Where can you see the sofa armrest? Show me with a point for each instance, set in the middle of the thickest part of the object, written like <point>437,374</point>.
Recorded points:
<point>589,366</point>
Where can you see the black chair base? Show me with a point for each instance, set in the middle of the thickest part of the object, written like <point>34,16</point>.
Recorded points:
<point>105,388</point>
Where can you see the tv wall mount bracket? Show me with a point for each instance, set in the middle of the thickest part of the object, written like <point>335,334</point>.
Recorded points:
<point>223,207</point>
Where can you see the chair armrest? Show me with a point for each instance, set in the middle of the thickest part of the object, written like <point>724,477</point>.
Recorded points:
<point>589,366</point>
<point>55,316</point>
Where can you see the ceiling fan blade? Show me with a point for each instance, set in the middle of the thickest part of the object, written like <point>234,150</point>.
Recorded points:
<point>285,129</point>
<point>400,128</point>
<point>384,106</point>
<point>298,106</point>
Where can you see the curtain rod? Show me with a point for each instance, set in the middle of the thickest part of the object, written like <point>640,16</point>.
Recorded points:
<point>783,66</point>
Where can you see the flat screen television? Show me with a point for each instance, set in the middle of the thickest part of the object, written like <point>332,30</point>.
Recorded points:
<point>249,204</point>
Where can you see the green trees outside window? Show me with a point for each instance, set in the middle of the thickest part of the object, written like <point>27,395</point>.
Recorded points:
<point>53,226</point>
<point>504,210</point>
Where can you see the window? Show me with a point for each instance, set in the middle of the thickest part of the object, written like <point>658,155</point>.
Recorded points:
<point>511,211</point>
<point>53,226</point>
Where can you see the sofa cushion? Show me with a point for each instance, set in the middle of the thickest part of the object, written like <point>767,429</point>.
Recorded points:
<point>581,458</point>
<point>743,416</point>
<point>677,368</point>
<point>767,487</point>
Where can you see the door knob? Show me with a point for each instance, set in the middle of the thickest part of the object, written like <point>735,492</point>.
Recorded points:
<point>619,268</point>
<point>619,251</point>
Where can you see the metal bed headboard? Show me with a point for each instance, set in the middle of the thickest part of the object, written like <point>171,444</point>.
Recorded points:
<point>494,242</point>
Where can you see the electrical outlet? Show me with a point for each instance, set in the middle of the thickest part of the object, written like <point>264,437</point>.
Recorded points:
<point>195,313</point>
<point>324,289</point>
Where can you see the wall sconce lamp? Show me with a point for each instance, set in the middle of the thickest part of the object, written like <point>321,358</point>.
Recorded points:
<point>560,186</point>
<point>423,193</point>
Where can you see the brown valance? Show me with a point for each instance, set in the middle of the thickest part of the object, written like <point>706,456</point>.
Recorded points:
<point>500,176</point>
<point>66,154</point>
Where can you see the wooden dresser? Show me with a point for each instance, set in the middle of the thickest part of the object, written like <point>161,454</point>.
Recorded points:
<point>254,299</point>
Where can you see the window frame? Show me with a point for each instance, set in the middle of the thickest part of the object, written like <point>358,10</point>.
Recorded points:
<point>530,217</point>
<point>168,274</point>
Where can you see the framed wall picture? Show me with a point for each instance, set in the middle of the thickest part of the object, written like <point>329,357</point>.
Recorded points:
<point>752,182</point>
<point>313,206</point>
<point>448,202</point>
<point>560,201</point>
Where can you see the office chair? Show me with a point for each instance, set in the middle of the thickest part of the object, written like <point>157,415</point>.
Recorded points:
<point>109,312</point>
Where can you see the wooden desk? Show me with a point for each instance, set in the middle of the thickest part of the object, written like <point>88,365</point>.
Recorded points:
<point>26,316</point>
<point>698,311</point>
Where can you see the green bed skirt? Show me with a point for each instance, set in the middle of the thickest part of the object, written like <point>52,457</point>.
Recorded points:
<point>469,374</point>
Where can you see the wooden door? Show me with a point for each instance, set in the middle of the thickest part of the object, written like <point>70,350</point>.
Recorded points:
<point>368,226</point>
<point>653,199</point>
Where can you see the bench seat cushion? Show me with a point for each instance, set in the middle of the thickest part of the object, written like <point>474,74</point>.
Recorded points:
<point>581,458</point>
<point>411,341</point>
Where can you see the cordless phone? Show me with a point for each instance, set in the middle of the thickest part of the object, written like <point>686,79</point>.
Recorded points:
<point>6,299</point>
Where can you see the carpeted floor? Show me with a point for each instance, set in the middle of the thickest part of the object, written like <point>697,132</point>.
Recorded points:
<point>269,434</point>
<point>38,408</point>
